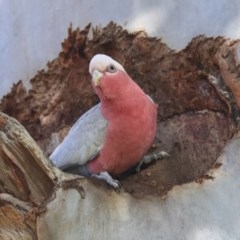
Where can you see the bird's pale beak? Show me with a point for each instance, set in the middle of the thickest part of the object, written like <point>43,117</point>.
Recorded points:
<point>96,77</point>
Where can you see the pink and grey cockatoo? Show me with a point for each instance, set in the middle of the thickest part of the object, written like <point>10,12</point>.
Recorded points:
<point>115,134</point>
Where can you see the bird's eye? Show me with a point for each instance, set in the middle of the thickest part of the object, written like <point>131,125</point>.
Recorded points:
<point>111,68</point>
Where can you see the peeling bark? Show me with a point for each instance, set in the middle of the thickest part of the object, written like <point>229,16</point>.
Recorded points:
<point>26,173</point>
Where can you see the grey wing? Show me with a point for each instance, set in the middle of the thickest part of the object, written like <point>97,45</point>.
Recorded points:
<point>84,140</point>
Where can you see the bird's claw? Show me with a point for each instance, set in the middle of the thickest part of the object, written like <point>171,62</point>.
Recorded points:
<point>151,157</point>
<point>161,155</point>
<point>107,178</point>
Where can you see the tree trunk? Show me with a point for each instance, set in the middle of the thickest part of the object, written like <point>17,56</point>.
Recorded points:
<point>192,195</point>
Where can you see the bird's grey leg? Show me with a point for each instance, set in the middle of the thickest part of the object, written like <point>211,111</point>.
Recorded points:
<point>151,157</point>
<point>78,170</point>
<point>107,178</point>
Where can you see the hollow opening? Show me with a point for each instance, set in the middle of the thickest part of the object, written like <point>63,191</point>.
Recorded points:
<point>197,112</point>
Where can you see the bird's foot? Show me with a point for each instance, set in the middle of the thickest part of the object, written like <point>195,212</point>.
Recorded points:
<point>151,157</point>
<point>83,170</point>
<point>107,178</point>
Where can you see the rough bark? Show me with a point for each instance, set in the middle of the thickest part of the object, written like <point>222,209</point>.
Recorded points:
<point>26,181</point>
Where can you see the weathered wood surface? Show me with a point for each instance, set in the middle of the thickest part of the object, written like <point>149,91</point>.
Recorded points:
<point>27,181</point>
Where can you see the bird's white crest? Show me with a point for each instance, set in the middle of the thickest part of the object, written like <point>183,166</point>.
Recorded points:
<point>101,61</point>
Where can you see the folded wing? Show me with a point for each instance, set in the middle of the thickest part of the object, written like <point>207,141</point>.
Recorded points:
<point>84,140</point>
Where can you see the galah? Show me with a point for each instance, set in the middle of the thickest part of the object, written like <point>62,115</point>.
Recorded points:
<point>115,134</point>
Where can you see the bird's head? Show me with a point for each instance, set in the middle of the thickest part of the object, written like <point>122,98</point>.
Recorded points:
<point>109,79</point>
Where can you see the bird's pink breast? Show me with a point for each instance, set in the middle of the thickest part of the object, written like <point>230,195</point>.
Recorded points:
<point>130,133</point>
